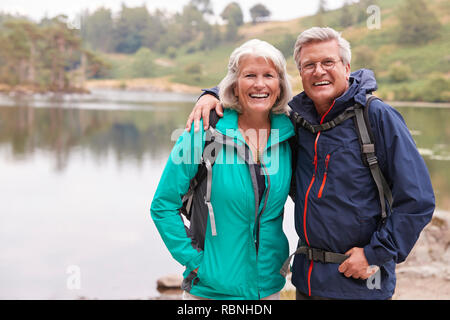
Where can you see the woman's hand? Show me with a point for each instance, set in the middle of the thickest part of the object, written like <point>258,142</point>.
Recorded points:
<point>201,110</point>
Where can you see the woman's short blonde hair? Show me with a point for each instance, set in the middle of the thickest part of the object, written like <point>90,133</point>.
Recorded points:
<point>255,48</point>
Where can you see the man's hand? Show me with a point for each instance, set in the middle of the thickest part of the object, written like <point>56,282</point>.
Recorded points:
<point>201,110</point>
<point>356,265</point>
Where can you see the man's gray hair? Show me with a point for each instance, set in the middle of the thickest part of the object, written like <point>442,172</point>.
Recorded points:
<point>255,48</point>
<point>317,34</point>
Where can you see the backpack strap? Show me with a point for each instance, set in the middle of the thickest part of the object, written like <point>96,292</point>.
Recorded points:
<point>204,170</point>
<point>212,219</point>
<point>366,140</point>
<point>293,116</point>
<point>370,159</point>
<point>299,120</point>
<point>313,254</point>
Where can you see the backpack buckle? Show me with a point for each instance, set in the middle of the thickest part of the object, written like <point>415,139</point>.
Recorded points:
<point>368,148</point>
<point>372,160</point>
<point>315,254</point>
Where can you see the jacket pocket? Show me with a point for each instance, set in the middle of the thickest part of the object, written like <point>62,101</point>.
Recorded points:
<point>324,180</point>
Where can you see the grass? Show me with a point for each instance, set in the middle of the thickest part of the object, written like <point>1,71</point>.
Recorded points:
<point>207,68</point>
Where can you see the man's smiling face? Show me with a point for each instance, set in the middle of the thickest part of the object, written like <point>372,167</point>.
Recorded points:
<point>323,85</point>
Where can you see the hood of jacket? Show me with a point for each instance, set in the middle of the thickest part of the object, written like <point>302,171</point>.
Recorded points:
<point>361,82</point>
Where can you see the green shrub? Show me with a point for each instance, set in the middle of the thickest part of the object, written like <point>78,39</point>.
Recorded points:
<point>403,94</point>
<point>363,57</point>
<point>436,89</point>
<point>142,65</point>
<point>194,68</point>
<point>399,72</point>
<point>286,45</point>
<point>171,52</point>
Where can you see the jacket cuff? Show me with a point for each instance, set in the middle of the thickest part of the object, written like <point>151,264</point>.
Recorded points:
<point>370,256</point>
<point>213,91</point>
<point>195,262</point>
<point>376,256</point>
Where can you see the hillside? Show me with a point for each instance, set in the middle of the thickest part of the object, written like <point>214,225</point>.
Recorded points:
<point>404,71</point>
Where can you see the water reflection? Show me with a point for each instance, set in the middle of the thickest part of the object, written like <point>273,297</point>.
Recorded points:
<point>78,174</point>
<point>129,133</point>
<point>431,133</point>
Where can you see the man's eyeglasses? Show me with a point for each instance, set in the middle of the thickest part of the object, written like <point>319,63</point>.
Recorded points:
<point>326,64</point>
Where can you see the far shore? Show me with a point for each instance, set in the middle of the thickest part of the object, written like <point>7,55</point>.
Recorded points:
<point>165,85</point>
<point>144,84</point>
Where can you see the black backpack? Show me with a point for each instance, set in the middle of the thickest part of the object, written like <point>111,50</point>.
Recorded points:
<point>197,198</point>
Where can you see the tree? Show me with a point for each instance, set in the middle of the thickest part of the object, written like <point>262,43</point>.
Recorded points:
<point>346,19</point>
<point>259,13</point>
<point>142,65</point>
<point>320,12</point>
<point>418,24</point>
<point>190,23</point>
<point>361,10</point>
<point>97,30</point>
<point>211,37</point>
<point>131,28</point>
<point>286,45</point>
<point>15,51</point>
<point>204,6</point>
<point>62,51</point>
<point>235,18</point>
<point>233,13</point>
<point>231,32</point>
<point>47,56</point>
<point>157,29</point>
<point>23,37</point>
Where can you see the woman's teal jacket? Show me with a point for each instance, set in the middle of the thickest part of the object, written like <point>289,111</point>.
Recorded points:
<point>244,259</point>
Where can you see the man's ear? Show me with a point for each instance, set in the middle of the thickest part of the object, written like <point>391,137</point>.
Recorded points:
<point>347,71</point>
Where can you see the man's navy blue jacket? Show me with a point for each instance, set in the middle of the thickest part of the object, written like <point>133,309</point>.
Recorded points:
<point>337,206</point>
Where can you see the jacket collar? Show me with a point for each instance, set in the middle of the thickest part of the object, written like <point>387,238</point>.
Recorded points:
<point>228,125</point>
<point>361,82</point>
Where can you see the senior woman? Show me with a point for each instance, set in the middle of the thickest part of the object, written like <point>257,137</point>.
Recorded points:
<point>244,244</point>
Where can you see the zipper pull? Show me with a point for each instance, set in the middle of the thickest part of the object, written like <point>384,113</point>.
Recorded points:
<point>327,160</point>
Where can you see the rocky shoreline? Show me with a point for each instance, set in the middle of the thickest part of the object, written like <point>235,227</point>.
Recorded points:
<point>425,275</point>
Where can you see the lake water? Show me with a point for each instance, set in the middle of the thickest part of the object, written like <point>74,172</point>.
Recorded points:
<point>77,176</point>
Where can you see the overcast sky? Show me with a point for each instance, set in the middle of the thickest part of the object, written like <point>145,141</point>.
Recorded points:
<point>37,9</point>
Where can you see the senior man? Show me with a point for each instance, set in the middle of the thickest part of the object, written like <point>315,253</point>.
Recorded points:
<point>346,221</point>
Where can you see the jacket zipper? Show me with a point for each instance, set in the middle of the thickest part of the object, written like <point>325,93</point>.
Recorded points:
<point>258,215</point>
<point>327,160</point>
<point>307,195</point>
<point>306,208</point>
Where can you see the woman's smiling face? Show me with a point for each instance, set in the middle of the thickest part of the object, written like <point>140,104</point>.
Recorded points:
<point>258,84</point>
